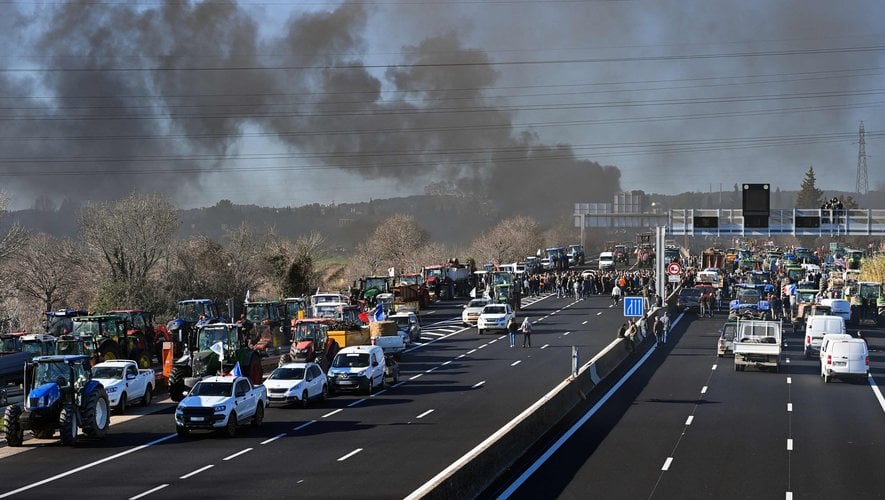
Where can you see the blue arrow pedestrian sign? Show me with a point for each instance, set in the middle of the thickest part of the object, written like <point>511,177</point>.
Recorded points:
<point>634,307</point>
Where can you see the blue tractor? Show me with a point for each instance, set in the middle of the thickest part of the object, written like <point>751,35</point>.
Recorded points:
<point>61,395</point>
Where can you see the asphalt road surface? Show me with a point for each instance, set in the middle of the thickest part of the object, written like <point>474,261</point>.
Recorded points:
<point>687,425</point>
<point>454,391</point>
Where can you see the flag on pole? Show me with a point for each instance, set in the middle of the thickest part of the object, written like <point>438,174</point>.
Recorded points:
<point>378,314</point>
<point>248,296</point>
<point>217,348</point>
<point>236,372</point>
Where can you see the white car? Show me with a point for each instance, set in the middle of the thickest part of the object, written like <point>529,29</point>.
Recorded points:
<point>494,317</point>
<point>297,383</point>
<point>124,382</point>
<point>472,310</point>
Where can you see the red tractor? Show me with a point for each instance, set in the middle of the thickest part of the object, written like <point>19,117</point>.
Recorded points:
<point>312,343</point>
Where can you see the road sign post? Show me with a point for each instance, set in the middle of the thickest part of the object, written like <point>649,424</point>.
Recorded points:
<point>634,307</point>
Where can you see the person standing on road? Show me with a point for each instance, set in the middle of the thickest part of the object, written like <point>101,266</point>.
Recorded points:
<point>666,325</point>
<point>511,331</point>
<point>526,328</point>
<point>616,294</point>
<point>658,330</point>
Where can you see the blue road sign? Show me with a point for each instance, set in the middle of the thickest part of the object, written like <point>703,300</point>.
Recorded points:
<point>634,307</point>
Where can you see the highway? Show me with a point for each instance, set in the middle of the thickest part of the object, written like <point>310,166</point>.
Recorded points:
<point>453,393</point>
<point>687,425</point>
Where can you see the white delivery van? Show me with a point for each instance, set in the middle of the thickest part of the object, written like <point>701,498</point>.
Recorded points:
<point>606,261</point>
<point>844,356</point>
<point>815,329</point>
<point>838,307</point>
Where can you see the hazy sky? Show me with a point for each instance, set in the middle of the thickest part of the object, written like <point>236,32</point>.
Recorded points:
<point>345,102</point>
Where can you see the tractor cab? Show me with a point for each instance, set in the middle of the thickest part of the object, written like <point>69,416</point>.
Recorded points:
<point>62,321</point>
<point>38,344</point>
<point>111,339</point>
<point>267,325</point>
<point>312,343</point>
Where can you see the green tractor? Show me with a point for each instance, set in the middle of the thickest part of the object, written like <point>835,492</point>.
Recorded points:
<point>867,304</point>
<point>60,395</point>
<point>105,337</point>
<point>202,360</point>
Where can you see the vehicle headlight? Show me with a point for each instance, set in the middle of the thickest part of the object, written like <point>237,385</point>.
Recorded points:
<point>220,408</point>
<point>301,351</point>
<point>110,390</point>
<point>295,388</point>
<point>363,373</point>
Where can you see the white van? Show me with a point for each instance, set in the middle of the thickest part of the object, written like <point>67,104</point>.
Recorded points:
<point>359,367</point>
<point>606,261</point>
<point>838,307</point>
<point>815,329</point>
<point>844,356</point>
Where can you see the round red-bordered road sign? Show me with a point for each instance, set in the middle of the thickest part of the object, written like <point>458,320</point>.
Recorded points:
<point>674,268</point>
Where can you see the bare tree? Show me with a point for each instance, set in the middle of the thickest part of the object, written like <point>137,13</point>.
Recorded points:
<point>510,241</point>
<point>131,235</point>
<point>45,270</point>
<point>396,243</point>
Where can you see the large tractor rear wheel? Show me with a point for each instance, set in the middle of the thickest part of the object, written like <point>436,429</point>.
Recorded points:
<point>96,413</point>
<point>109,351</point>
<point>177,389</point>
<point>12,427</point>
<point>141,358</point>
<point>285,358</point>
<point>67,422</point>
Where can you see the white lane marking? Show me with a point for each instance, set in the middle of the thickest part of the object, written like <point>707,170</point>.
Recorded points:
<point>428,412</point>
<point>416,376</point>
<point>704,389</point>
<point>789,406</point>
<point>610,306</point>
<point>538,320</point>
<point>397,384</point>
<point>789,445</point>
<point>471,351</point>
<point>518,361</point>
<point>599,313</point>
<point>667,463</point>
<point>478,384</point>
<point>354,452</point>
<point>555,447</point>
<point>339,410</point>
<point>148,492</point>
<point>235,455</point>
<point>566,333</point>
<point>461,356</point>
<point>447,362</point>
<point>788,360</point>
<point>545,346</point>
<point>87,466</point>
<point>585,322</point>
<point>554,312</point>
<point>876,391</point>
<point>689,420</point>
<point>789,495</point>
<point>302,426</point>
<point>382,391</point>
<point>502,337</point>
<point>271,440</point>
<point>480,347</point>
<point>714,367</point>
<point>492,342</point>
<point>358,401</point>
<point>194,473</point>
<point>789,380</point>
<point>431,369</point>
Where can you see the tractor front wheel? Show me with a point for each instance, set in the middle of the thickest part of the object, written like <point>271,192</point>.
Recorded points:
<point>96,417</point>
<point>12,427</point>
<point>67,422</point>
<point>109,352</point>
<point>255,369</point>
<point>177,389</point>
<point>285,358</point>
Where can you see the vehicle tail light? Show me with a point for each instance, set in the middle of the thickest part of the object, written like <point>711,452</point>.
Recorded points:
<point>868,360</point>
<point>829,359</point>
<point>808,340</point>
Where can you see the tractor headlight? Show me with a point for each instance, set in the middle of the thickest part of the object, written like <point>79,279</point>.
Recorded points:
<point>220,408</point>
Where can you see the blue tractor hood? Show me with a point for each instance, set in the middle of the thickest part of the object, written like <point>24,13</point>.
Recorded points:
<point>43,396</point>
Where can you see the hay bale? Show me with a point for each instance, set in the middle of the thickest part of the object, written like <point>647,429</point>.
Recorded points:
<point>382,329</point>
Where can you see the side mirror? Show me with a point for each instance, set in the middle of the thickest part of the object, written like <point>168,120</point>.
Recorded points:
<point>130,377</point>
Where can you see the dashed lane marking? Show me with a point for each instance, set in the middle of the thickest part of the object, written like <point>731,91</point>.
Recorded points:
<point>599,313</point>
<point>689,420</point>
<point>354,452</point>
<point>789,445</point>
<point>271,440</point>
<point>428,412</point>
<point>518,361</point>
<point>667,463</point>
<point>714,367</point>
<point>704,389</point>
<point>789,380</point>
<point>789,406</point>
<point>584,323</point>
<point>339,410</point>
<point>148,492</point>
<point>235,455</point>
<point>416,376</point>
<point>545,346</point>
<point>478,384</point>
<point>302,426</point>
<point>194,473</point>
<point>358,401</point>
<point>471,351</point>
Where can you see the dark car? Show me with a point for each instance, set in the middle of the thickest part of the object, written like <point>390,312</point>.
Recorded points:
<point>689,299</point>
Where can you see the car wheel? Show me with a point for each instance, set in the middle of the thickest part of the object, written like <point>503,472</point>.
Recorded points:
<point>121,405</point>
<point>231,429</point>
<point>258,419</point>
<point>325,393</point>
<point>148,396</point>
<point>305,400</point>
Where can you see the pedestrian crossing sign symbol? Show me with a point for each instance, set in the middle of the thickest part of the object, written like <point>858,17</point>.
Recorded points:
<point>634,307</point>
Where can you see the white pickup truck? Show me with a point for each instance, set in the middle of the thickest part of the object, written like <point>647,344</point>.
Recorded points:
<point>124,382</point>
<point>757,343</point>
<point>221,403</point>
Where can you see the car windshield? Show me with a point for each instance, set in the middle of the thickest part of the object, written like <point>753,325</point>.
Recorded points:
<point>351,360</point>
<point>494,310</point>
<point>115,372</point>
<point>477,303</point>
<point>690,292</point>
<point>212,389</point>
<point>287,374</point>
